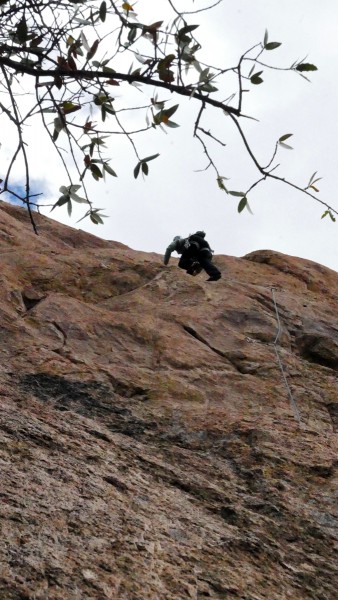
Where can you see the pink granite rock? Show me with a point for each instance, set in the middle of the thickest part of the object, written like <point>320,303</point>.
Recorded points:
<point>149,445</point>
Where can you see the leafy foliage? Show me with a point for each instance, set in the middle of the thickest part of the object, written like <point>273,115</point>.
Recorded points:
<point>71,56</point>
<point>305,67</point>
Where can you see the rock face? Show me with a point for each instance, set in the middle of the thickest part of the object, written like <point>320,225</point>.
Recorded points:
<point>148,442</point>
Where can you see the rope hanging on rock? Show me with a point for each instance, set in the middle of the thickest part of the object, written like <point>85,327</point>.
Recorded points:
<point>275,345</point>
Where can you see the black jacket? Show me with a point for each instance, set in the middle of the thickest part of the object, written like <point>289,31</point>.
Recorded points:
<point>191,246</point>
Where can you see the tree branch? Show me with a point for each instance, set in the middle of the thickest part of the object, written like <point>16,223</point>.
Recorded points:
<point>267,174</point>
<point>130,78</point>
<point>21,147</point>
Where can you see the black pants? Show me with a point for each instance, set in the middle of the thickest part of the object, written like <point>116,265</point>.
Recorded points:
<point>203,258</point>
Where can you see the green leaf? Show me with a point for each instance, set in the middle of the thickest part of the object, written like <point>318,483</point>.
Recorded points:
<point>93,50</point>
<point>70,189</point>
<point>285,137</point>
<point>95,219</point>
<point>84,41</point>
<point>165,62</point>
<point>182,36</point>
<point>239,194</point>
<point>36,41</point>
<point>132,34</point>
<point>70,40</point>
<point>251,71</point>
<point>108,70</point>
<point>84,22</point>
<point>69,107</point>
<point>266,35</point>
<point>313,179</point>
<point>74,188</point>
<point>109,170</point>
<point>22,31</point>
<point>256,79</point>
<point>99,141</point>
<point>328,212</point>
<point>171,124</point>
<point>158,118</point>
<point>143,164</point>
<point>103,11</point>
<point>137,170</point>
<point>272,45</point>
<point>136,72</point>
<point>221,184</point>
<point>286,146</point>
<point>109,109</point>
<point>94,216</point>
<point>58,82</point>
<point>58,124</point>
<point>248,208</point>
<point>205,74</point>
<point>149,158</point>
<point>164,115</point>
<point>242,204</point>
<point>152,28</point>
<point>95,171</point>
<point>126,6</point>
<point>207,87</point>
<point>78,199</point>
<point>61,201</point>
<point>306,67</point>
<point>187,29</point>
<point>168,112</point>
<point>69,208</point>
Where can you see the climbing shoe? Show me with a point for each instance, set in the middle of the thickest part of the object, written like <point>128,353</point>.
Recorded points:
<point>197,269</point>
<point>194,269</point>
<point>215,277</point>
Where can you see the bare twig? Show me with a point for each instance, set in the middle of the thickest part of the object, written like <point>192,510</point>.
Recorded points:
<point>21,147</point>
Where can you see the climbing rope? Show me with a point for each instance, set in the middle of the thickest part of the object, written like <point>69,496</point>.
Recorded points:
<point>275,345</point>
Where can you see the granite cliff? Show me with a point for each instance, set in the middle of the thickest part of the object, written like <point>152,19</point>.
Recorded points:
<point>149,440</point>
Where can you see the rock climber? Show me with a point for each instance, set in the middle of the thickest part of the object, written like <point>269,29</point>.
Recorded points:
<point>196,255</point>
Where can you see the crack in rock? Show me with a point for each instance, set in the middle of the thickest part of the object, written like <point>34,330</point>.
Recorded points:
<point>230,359</point>
<point>63,333</point>
<point>332,409</point>
<point>31,298</point>
<point>198,337</point>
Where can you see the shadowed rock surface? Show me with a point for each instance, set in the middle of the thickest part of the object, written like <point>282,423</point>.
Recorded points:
<point>148,446</point>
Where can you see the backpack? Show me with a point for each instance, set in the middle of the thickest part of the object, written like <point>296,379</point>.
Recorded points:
<point>182,244</point>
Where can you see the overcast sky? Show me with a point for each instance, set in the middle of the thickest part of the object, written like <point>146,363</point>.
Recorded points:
<point>176,200</point>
